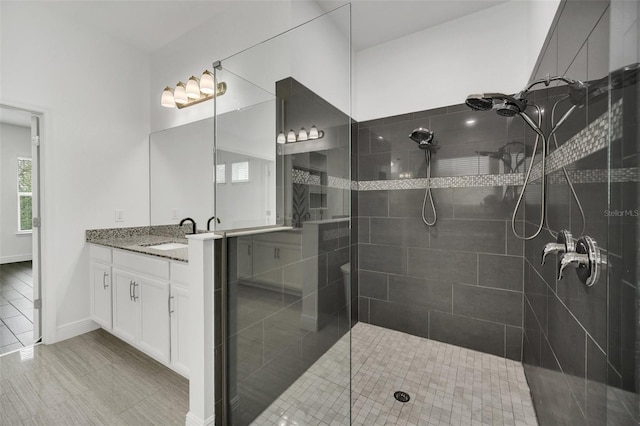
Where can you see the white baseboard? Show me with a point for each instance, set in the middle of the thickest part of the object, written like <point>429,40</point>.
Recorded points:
<point>76,328</point>
<point>193,420</point>
<point>16,258</point>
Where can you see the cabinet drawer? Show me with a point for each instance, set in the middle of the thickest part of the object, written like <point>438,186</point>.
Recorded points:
<point>180,273</point>
<point>101,254</point>
<point>142,264</point>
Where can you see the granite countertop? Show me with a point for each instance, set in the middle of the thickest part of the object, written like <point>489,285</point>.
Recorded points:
<point>139,238</point>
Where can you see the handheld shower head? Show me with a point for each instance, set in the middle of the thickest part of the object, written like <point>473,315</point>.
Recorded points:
<point>423,137</point>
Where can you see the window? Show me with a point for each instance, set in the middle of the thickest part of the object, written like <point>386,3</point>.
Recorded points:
<point>240,172</point>
<point>24,194</point>
<point>221,173</point>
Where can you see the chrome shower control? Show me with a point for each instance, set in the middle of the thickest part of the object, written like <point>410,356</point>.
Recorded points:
<point>563,244</point>
<point>587,260</point>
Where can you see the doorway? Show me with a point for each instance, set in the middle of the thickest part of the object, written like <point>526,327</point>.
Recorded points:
<point>20,304</point>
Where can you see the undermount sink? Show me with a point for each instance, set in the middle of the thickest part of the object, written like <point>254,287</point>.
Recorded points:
<point>168,246</point>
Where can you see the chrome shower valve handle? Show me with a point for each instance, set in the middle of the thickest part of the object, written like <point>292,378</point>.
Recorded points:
<point>587,259</point>
<point>563,244</point>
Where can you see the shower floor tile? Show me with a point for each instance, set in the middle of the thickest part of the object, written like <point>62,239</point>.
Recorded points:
<point>448,385</point>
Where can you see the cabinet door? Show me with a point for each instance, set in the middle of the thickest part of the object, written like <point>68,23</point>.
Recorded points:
<point>245,263</point>
<point>180,330</point>
<point>101,294</point>
<point>154,310</point>
<point>126,309</point>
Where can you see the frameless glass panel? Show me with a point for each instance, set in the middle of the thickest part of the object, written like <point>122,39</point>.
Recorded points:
<point>289,292</point>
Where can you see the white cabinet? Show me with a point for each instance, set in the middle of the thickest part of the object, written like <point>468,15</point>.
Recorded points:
<point>126,312</point>
<point>100,290</point>
<point>245,256</point>
<point>134,296</point>
<point>179,311</point>
<point>155,327</point>
<point>180,329</point>
<point>101,294</point>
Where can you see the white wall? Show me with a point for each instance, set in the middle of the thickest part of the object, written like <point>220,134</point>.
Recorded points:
<point>309,55</point>
<point>15,141</point>
<point>95,95</point>
<point>488,51</point>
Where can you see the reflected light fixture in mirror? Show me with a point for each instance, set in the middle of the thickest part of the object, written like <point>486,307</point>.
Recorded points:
<point>313,133</point>
<point>195,91</point>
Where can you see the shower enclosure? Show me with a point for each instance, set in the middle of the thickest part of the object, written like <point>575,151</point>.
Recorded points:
<point>327,256</point>
<point>285,209</point>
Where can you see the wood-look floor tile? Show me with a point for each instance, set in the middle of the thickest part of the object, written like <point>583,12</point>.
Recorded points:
<point>62,414</point>
<point>8,311</point>
<point>155,410</point>
<point>19,324</point>
<point>82,360</point>
<point>119,388</point>
<point>10,348</point>
<point>6,336</point>
<point>51,384</point>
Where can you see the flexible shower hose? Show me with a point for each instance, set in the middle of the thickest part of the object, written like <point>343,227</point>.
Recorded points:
<point>427,193</point>
<point>566,174</point>
<point>543,201</point>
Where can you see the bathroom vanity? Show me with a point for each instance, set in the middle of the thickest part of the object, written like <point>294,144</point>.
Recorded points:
<point>140,293</point>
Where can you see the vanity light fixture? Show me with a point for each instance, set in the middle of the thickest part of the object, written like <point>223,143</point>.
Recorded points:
<point>302,136</point>
<point>196,90</point>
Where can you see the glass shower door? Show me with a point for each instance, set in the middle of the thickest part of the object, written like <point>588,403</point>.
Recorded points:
<point>285,210</point>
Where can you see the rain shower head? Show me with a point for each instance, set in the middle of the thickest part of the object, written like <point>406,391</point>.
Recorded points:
<point>479,102</point>
<point>505,105</point>
<point>423,137</point>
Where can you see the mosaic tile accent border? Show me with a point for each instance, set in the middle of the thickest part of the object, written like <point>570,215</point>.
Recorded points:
<point>630,174</point>
<point>443,182</point>
<point>591,139</point>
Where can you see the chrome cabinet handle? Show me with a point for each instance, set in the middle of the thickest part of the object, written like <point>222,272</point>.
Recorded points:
<point>131,290</point>
<point>135,285</point>
<point>169,305</point>
<point>104,280</point>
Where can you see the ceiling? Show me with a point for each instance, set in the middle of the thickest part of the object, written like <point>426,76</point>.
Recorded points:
<point>373,21</point>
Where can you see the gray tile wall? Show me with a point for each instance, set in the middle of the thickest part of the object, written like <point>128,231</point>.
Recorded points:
<point>460,281</point>
<point>580,346</point>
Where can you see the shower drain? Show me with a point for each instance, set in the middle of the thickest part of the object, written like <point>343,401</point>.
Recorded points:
<point>401,396</point>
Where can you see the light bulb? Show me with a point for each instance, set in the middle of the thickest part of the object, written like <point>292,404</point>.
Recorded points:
<point>313,132</point>
<point>180,94</point>
<point>193,87</point>
<point>302,136</point>
<point>167,98</point>
<point>291,136</point>
<point>281,138</point>
<point>207,83</point>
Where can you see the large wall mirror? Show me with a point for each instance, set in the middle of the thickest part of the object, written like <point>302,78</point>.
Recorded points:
<point>185,166</point>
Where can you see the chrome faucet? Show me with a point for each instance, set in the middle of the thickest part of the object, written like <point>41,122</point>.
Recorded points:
<point>193,223</point>
<point>209,222</point>
<point>563,244</point>
<point>587,259</point>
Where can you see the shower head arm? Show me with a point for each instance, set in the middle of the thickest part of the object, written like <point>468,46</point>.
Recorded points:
<point>547,81</point>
